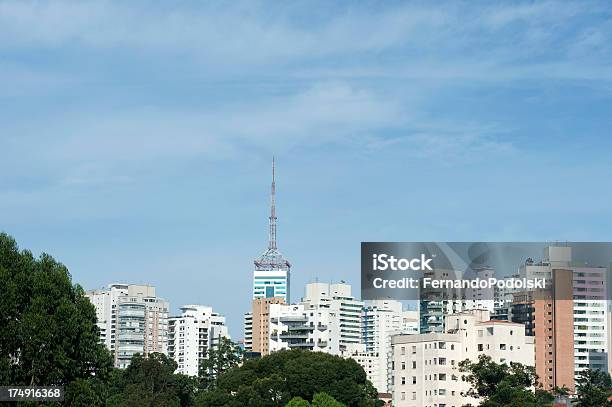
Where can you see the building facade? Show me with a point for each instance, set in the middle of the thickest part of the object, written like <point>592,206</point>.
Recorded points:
<point>132,319</point>
<point>192,334</point>
<point>260,324</point>
<point>589,311</point>
<point>381,319</point>
<point>425,366</point>
<point>436,303</point>
<point>344,313</point>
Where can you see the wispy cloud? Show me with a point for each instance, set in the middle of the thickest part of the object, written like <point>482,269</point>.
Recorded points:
<point>223,37</point>
<point>357,75</point>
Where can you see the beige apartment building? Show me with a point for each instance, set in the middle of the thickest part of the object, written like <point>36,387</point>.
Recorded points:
<point>426,366</point>
<point>260,334</point>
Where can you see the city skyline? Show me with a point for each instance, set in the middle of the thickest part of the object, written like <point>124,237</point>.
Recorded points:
<point>135,146</point>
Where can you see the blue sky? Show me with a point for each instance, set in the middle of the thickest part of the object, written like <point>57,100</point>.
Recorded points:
<point>136,137</point>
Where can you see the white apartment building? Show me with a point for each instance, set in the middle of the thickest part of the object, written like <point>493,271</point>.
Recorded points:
<point>590,306</point>
<point>290,328</point>
<point>380,320</point>
<point>131,320</point>
<point>590,319</point>
<point>344,317</point>
<point>328,319</point>
<point>247,331</point>
<point>192,334</point>
<point>425,366</point>
<point>410,322</point>
<point>609,336</point>
<point>371,364</point>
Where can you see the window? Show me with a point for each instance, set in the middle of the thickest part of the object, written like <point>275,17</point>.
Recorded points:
<point>403,350</point>
<point>414,350</point>
<point>414,364</point>
<point>413,379</point>
<point>403,395</point>
<point>403,365</point>
<point>403,380</point>
<point>480,347</point>
<point>502,346</point>
<point>414,395</point>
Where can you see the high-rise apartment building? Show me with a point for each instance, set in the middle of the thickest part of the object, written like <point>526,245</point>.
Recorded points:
<point>547,315</point>
<point>344,311</point>
<point>436,303</point>
<point>291,328</point>
<point>328,319</point>
<point>247,331</point>
<point>380,320</point>
<point>132,319</point>
<point>425,366</point>
<point>260,324</point>
<point>589,306</point>
<point>192,334</point>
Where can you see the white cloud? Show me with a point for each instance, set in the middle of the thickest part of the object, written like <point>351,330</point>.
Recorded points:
<point>226,38</point>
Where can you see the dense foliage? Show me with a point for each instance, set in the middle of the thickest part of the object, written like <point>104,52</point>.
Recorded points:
<point>593,388</point>
<point>275,379</point>
<point>219,360</point>
<point>319,400</point>
<point>502,385</point>
<point>49,334</point>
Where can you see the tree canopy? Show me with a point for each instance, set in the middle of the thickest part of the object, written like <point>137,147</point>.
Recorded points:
<point>151,382</point>
<point>319,400</point>
<point>277,378</point>
<point>593,388</point>
<point>220,359</point>
<point>502,385</point>
<point>49,334</point>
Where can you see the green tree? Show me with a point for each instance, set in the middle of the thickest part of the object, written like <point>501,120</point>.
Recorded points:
<point>49,334</point>
<point>319,400</point>
<point>501,385</point>
<point>325,400</point>
<point>298,402</point>
<point>272,381</point>
<point>593,388</point>
<point>220,359</point>
<point>91,392</point>
<point>151,381</point>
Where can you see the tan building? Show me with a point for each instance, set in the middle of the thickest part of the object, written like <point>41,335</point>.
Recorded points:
<point>548,315</point>
<point>261,324</point>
